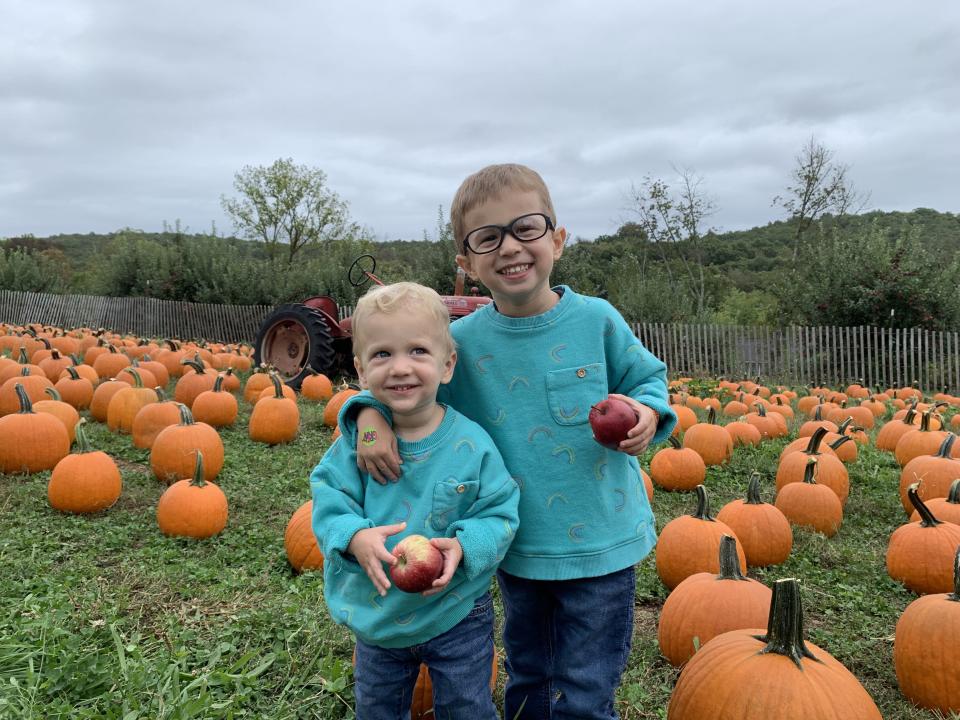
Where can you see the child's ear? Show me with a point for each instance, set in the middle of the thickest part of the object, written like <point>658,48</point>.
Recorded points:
<point>448,368</point>
<point>559,240</point>
<point>360,373</point>
<point>463,262</point>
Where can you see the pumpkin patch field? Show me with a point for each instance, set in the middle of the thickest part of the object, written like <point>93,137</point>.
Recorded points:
<point>176,597</point>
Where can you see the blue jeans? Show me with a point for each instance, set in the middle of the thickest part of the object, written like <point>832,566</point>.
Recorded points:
<point>567,643</point>
<point>459,660</point>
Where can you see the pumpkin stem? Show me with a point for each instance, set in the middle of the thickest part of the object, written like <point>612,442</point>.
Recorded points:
<point>186,417</point>
<point>161,395</point>
<point>195,363</point>
<point>674,442</point>
<point>23,358</point>
<point>198,471</point>
<point>277,386</point>
<point>785,624</point>
<point>53,393</point>
<point>813,446</point>
<point>810,471</point>
<point>946,447</point>
<point>926,517</point>
<point>218,383</point>
<point>753,490</point>
<point>137,378</point>
<point>74,375</point>
<point>955,595</point>
<point>909,416</point>
<point>83,442</point>
<point>954,495</point>
<point>842,427</point>
<point>840,441</point>
<point>703,505</point>
<point>26,407</point>
<point>729,562</point>
<point>761,409</point>
<point>818,412</point>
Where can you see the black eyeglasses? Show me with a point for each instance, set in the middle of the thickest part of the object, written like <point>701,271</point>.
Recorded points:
<point>525,228</point>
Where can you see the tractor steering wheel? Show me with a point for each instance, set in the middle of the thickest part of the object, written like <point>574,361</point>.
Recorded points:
<point>358,275</point>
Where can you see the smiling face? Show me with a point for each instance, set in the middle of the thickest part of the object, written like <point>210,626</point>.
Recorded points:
<point>517,273</point>
<point>403,358</point>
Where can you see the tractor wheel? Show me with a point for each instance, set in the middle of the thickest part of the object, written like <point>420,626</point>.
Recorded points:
<point>293,339</point>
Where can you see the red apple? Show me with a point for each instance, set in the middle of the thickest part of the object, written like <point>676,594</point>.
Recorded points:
<point>418,564</point>
<point>610,420</point>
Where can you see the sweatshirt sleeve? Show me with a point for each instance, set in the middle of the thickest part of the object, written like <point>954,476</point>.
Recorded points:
<point>486,534</point>
<point>635,371</point>
<point>337,490</point>
<point>347,419</point>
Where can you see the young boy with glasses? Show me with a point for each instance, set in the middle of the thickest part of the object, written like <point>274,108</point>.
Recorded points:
<point>456,492</point>
<point>531,364</point>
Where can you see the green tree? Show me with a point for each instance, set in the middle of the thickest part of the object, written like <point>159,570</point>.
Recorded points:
<point>287,204</point>
<point>672,220</point>
<point>871,276</point>
<point>818,185</point>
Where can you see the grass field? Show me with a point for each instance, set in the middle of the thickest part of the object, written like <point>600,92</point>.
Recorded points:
<point>103,617</point>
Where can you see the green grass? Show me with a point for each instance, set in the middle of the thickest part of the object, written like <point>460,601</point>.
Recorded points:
<point>103,617</point>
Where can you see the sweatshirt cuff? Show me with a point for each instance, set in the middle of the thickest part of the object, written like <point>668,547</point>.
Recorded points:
<point>667,417</point>
<point>480,551</point>
<point>347,419</point>
<point>341,531</point>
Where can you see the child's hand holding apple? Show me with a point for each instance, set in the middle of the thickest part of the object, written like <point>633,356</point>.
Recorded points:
<point>621,423</point>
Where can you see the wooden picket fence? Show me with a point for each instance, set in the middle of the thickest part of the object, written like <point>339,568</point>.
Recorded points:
<point>800,355</point>
<point>147,317</point>
<point>789,355</point>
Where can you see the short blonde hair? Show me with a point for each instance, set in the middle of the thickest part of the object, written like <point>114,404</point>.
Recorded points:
<point>490,183</point>
<point>398,297</point>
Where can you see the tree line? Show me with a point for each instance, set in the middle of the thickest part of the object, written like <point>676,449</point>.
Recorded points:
<point>827,262</point>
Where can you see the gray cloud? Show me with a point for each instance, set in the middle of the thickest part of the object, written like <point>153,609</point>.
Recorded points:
<point>125,114</point>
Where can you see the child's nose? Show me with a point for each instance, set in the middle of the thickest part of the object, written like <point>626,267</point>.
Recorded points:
<point>510,244</point>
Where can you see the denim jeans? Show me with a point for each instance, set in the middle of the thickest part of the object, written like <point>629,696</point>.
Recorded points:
<point>567,643</point>
<point>459,660</point>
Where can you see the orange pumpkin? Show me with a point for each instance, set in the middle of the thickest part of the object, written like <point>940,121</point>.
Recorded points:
<point>193,508</point>
<point>176,447</point>
<point>752,674</point>
<point>709,440</point>
<point>926,649</point>
<point>303,552</point>
<point>707,604</point>
<point>677,468</point>
<point>691,543</point>
<point>920,554</point>
<point>31,441</point>
<point>332,408</point>
<point>809,504</point>
<point>86,481</point>
<point>763,530</point>
<point>275,419</point>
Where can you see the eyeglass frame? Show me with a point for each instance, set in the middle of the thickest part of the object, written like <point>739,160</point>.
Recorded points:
<point>508,228</point>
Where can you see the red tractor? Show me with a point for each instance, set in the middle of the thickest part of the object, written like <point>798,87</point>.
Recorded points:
<point>299,337</point>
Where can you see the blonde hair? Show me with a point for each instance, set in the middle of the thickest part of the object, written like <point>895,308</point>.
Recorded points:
<point>490,183</point>
<point>397,297</point>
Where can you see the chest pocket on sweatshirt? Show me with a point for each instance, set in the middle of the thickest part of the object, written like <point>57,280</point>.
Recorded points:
<point>571,391</point>
<point>452,499</point>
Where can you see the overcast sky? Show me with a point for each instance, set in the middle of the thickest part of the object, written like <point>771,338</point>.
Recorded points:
<point>128,114</point>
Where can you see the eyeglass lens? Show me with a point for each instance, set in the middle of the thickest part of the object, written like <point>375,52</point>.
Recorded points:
<point>524,228</point>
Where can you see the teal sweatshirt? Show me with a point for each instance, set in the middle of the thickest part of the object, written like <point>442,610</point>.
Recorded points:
<point>454,485</point>
<point>530,382</point>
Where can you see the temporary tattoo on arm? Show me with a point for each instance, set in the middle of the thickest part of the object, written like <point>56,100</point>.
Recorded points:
<point>369,436</point>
